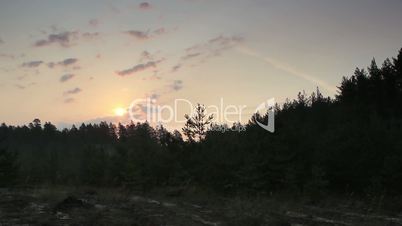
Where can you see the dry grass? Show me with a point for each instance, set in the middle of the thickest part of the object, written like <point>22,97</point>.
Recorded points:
<point>107,206</point>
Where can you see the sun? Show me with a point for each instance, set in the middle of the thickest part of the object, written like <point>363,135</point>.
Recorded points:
<point>120,111</point>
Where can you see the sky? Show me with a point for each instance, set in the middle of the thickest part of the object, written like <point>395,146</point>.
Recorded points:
<point>84,61</point>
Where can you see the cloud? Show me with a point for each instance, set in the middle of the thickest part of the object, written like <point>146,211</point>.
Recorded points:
<point>140,35</point>
<point>138,68</point>
<point>144,6</point>
<point>7,56</point>
<point>146,35</point>
<point>177,85</point>
<point>154,96</point>
<point>153,77</point>
<point>226,41</point>
<point>65,63</point>
<point>216,45</point>
<point>22,77</point>
<point>64,39</point>
<point>1,41</point>
<point>211,48</point>
<point>68,61</point>
<point>141,109</point>
<point>24,86</point>
<point>160,31</point>
<point>171,87</point>
<point>20,86</point>
<point>145,55</point>
<point>94,22</point>
<point>114,9</point>
<point>66,77</point>
<point>73,91</point>
<point>176,67</point>
<point>69,100</point>
<point>190,55</point>
<point>90,35</point>
<point>32,64</point>
<point>222,43</point>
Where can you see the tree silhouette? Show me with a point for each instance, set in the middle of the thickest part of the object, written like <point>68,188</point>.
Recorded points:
<point>8,168</point>
<point>348,144</point>
<point>196,125</point>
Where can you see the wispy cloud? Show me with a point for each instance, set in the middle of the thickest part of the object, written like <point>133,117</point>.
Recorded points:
<point>211,48</point>
<point>68,61</point>
<point>176,67</point>
<point>73,91</point>
<point>177,85</point>
<point>94,22</point>
<point>66,77</point>
<point>152,77</point>
<point>90,35</point>
<point>287,68</point>
<point>145,55</point>
<point>114,9</point>
<point>69,100</point>
<point>145,6</point>
<point>160,31</point>
<point>1,41</point>
<point>170,87</point>
<point>146,35</point>
<point>140,35</point>
<point>32,64</point>
<point>64,39</point>
<point>20,86</point>
<point>138,68</point>
<point>190,55</point>
<point>65,63</point>
<point>214,46</point>
<point>7,56</point>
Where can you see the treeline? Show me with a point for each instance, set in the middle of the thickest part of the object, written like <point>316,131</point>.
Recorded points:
<point>352,143</point>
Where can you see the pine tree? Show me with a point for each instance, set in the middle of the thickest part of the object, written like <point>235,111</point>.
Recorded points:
<point>196,125</point>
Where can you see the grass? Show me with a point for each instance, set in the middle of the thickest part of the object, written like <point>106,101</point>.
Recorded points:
<point>112,206</point>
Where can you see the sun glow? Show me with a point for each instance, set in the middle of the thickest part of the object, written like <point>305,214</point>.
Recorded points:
<point>120,111</point>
